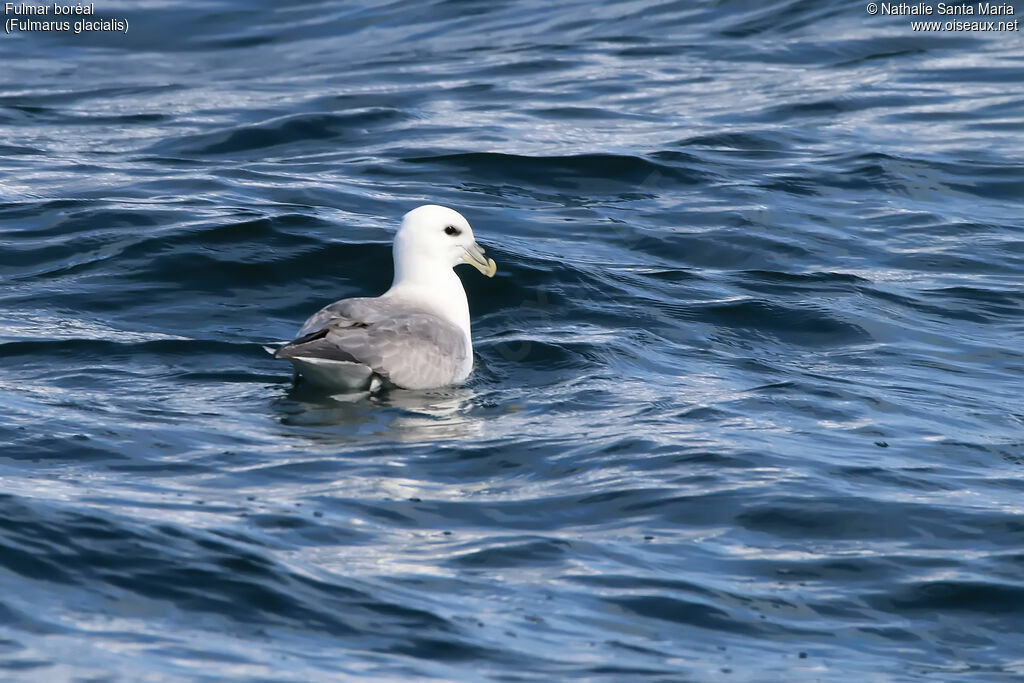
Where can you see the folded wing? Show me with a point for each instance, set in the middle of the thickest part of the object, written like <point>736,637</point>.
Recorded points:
<point>407,347</point>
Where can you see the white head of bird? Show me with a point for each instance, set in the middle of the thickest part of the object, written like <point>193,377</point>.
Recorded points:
<point>434,238</point>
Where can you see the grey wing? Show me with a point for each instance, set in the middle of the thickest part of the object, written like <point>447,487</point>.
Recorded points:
<point>360,310</point>
<point>413,350</point>
<point>311,341</point>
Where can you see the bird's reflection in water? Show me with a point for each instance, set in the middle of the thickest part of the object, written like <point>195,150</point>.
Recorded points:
<point>394,414</point>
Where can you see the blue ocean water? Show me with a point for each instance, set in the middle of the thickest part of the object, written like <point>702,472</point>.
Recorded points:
<point>747,400</point>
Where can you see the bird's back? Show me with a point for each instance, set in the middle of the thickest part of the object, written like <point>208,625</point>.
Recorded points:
<point>350,341</point>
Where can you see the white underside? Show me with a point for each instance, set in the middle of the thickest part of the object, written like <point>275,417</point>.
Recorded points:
<point>336,375</point>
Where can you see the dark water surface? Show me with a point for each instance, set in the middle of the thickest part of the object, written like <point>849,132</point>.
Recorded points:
<point>747,402</point>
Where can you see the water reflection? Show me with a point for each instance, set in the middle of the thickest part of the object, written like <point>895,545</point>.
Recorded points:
<point>393,415</point>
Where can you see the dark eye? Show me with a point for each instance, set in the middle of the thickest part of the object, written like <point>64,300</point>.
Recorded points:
<point>452,230</point>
